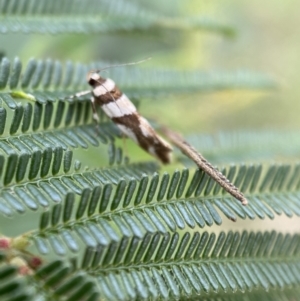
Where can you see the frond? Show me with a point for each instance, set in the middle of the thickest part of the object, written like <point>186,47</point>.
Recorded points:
<point>190,265</point>
<point>163,204</point>
<point>168,266</point>
<point>246,146</point>
<point>30,157</point>
<point>155,83</point>
<point>69,16</point>
<point>40,78</point>
<point>44,192</point>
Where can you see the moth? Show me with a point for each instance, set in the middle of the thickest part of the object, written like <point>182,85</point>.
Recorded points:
<point>117,106</point>
<point>124,114</point>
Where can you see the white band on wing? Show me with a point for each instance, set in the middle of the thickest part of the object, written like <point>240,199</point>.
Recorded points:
<point>104,88</point>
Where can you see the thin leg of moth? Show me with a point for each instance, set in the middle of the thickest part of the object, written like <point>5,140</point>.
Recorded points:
<point>95,115</point>
<point>94,109</point>
<point>79,94</point>
<point>189,151</point>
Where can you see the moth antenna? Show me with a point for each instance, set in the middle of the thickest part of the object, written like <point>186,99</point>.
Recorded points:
<point>118,65</point>
<point>126,64</point>
<point>104,71</point>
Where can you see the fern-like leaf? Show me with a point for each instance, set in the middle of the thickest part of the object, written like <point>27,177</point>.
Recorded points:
<point>166,204</point>
<point>137,82</point>
<point>168,266</point>
<point>69,16</point>
<point>184,267</point>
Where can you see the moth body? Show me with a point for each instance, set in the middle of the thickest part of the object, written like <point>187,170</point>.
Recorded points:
<point>124,114</point>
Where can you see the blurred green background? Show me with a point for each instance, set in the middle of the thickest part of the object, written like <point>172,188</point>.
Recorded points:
<point>266,40</point>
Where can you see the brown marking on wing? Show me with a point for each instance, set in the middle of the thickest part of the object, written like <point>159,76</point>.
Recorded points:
<point>109,96</point>
<point>161,148</point>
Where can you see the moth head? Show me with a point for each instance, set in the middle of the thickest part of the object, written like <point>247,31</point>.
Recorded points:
<point>93,77</point>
